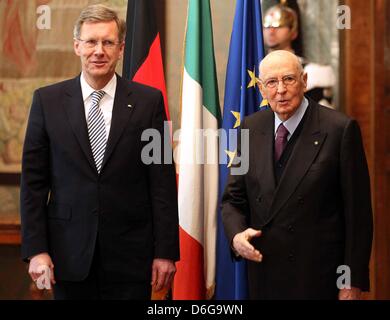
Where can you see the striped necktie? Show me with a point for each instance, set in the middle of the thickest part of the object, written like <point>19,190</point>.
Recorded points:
<point>97,129</point>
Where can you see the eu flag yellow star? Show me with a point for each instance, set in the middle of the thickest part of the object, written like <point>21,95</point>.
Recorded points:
<point>253,77</point>
<point>231,156</point>
<point>264,103</point>
<point>238,119</point>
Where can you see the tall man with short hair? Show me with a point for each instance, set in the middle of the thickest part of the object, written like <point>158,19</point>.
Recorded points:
<point>104,222</point>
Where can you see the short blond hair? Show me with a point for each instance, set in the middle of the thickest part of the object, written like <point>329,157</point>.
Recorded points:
<point>99,13</point>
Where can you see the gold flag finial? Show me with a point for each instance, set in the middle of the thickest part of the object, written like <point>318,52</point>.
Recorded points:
<point>283,2</point>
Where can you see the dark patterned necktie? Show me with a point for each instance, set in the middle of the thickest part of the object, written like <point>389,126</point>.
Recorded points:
<point>280,141</point>
<point>97,129</point>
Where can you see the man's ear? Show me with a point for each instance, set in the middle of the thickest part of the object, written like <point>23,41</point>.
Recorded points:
<point>121,49</point>
<point>76,47</point>
<point>294,35</point>
<point>262,89</point>
<point>304,79</point>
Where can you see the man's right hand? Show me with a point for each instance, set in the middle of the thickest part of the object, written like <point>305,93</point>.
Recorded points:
<point>42,259</point>
<point>241,243</point>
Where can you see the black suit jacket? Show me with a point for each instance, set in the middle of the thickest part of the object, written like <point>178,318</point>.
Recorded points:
<point>130,208</point>
<point>317,218</point>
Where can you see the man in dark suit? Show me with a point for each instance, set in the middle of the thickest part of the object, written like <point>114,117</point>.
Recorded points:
<point>302,213</point>
<point>103,221</point>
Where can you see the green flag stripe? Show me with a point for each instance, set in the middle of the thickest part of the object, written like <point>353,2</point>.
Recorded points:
<point>199,53</point>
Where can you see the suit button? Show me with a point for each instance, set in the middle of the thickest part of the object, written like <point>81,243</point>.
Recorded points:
<point>301,200</point>
<point>259,199</point>
<point>95,212</point>
<point>291,258</point>
<point>290,229</point>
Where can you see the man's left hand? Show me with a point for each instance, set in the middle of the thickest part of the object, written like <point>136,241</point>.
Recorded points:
<point>350,294</point>
<point>163,271</point>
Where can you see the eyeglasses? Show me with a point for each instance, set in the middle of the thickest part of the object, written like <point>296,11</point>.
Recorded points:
<point>288,80</point>
<point>92,43</point>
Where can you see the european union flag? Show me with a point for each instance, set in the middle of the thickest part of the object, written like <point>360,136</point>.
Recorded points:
<point>242,98</point>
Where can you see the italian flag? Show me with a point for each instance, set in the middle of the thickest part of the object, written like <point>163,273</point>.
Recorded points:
<point>198,159</point>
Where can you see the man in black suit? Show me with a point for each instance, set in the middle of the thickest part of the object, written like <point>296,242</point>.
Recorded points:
<point>103,221</point>
<point>302,213</point>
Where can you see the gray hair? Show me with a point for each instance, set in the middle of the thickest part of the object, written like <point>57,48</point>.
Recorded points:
<point>99,13</point>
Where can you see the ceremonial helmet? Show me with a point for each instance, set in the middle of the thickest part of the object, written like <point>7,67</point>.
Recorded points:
<point>281,15</point>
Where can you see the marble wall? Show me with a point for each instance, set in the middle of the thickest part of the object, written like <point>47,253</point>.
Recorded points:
<point>321,36</point>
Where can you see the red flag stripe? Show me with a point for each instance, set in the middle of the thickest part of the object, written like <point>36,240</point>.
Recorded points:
<point>191,263</point>
<point>151,71</point>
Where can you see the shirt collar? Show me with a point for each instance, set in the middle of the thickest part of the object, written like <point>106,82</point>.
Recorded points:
<point>292,123</point>
<point>87,90</point>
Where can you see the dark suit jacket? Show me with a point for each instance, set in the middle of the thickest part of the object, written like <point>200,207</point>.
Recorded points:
<point>130,208</point>
<point>317,218</point>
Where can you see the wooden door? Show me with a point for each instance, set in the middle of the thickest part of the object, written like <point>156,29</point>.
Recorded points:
<point>365,74</point>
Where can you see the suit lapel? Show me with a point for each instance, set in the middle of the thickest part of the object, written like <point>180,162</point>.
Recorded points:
<point>74,109</point>
<point>263,148</point>
<point>308,145</point>
<point>121,112</point>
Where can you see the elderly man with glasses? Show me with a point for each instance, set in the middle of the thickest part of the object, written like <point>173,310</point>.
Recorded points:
<point>302,213</point>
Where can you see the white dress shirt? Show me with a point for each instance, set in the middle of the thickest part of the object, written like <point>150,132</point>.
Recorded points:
<point>292,123</point>
<point>106,103</point>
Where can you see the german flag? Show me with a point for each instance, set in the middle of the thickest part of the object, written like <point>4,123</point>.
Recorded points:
<point>142,58</point>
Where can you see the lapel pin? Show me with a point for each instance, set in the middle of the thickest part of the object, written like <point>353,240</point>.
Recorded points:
<point>129,106</point>
<point>316,143</point>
